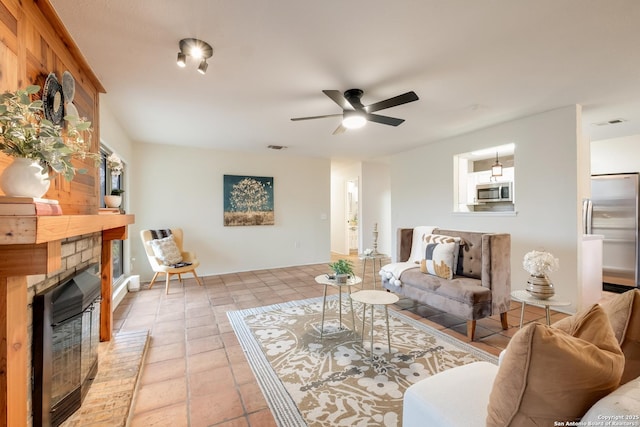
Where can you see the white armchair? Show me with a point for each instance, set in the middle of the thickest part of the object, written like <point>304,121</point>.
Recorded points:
<point>187,264</point>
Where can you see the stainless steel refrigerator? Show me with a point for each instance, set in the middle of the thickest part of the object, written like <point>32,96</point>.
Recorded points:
<point>613,212</point>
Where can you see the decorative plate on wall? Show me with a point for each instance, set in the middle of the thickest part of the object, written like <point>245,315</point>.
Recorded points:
<point>68,86</point>
<point>53,100</point>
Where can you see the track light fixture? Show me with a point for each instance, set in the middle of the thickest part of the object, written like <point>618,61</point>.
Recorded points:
<point>202,68</point>
<point>197,49</point>
<point>182,60</point>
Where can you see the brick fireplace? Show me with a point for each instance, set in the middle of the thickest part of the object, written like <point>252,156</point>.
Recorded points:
<point>78,254</point>
<point>37,253</point>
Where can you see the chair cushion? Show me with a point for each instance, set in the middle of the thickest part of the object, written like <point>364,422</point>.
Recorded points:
<point>440,255</point>
<point>548,374</point>
<point>166,250</point>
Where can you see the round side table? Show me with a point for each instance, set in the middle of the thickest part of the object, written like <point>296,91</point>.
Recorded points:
<point>374,297</point>
<point>372,257</point>
<point>324,280</point>
<point>525,298</point>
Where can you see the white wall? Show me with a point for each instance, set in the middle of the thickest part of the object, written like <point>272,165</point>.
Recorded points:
<point>376,206</point>
<point>546,175</point>
<point>183,187</point>
<point>340,174</point>
<point>115,138</point>
<point>111,133</point>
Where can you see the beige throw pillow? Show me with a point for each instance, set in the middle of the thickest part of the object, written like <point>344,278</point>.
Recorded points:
<point>550,375</point>
<point>440,255</point>
<point>166,250</point>
<point>623,312</point>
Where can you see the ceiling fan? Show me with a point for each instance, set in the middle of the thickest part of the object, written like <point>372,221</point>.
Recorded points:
<point>355,114</point>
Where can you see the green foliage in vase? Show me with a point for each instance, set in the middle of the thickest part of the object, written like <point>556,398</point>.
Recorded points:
<point>26,133</point>
<point>342,266</point>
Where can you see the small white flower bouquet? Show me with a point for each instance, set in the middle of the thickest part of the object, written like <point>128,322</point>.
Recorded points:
<point>540,263</point>
<point>114,163</point>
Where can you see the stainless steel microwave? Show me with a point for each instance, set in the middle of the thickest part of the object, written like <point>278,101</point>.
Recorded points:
<point>495,192</point>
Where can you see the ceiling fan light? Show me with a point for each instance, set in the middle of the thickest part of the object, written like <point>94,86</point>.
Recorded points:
<point>354,120</point>
<point>182,60</point>
<point>202,68</point>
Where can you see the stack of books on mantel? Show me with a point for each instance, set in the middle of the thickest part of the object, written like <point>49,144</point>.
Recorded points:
<point>108,211</point>
<point>26,206</point>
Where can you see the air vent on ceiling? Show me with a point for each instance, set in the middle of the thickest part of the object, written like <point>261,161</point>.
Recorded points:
<point>276,147</point>
<point>610,122</point>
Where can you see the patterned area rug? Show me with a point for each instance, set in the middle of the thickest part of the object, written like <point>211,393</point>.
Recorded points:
<point>337,380</point>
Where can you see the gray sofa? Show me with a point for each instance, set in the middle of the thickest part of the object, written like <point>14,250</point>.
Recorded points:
<point>481,286</point>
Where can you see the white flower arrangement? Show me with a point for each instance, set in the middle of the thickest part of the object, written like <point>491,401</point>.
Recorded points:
<point>114,163</point>
<point>540,263</point>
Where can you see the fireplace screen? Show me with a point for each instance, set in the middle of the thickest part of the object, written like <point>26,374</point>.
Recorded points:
<point>66,335</point>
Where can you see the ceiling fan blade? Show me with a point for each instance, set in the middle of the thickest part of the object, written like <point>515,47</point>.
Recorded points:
<point>339,99</point>
<point>385,120</point>
<point>392,102</point>
<point>295,119</point>
<point>340,129</point>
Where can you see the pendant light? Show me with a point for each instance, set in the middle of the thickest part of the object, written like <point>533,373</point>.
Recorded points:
<point>496,169</point>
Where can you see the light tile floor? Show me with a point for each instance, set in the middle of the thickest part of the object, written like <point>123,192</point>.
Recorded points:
<point>195,373</point>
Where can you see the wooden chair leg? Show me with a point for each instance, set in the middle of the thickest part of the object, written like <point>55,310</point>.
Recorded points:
<point>196,276</point>
<point>471,329</point>
<point>155,276</point>
<point>503,319</point>
<point>166,288</point>
<point>180,277</point>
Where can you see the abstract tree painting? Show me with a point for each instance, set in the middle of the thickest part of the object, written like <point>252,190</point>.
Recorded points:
<point>248,200</point>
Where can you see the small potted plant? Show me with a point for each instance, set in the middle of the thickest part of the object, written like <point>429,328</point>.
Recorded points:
<point>115,199</point>
<point>343,268</point>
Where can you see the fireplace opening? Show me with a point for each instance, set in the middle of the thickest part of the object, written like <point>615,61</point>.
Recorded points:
<point>66,334</point>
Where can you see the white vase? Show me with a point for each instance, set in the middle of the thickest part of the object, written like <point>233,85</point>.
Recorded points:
<point>113,201</point>
<point>24,178</point>
<point>540,287</point>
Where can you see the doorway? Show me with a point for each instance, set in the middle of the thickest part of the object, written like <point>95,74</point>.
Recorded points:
<point>352,215</point>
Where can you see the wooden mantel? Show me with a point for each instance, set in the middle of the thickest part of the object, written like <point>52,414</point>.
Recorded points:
<point>33,245</point>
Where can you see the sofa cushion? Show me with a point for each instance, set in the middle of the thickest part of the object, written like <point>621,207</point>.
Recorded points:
<point>166,250</point>
<point>623,312</point>
<point>548,374</point>
<point>440,255</point>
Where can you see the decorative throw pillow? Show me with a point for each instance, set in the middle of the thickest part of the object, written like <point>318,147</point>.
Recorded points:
<point>440,255</point>
<point>549,375</point>
<point>623,312</point>
<point>166,250</point>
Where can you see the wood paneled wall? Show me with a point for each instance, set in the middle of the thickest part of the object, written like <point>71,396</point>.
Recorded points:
<point>34,43</point>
